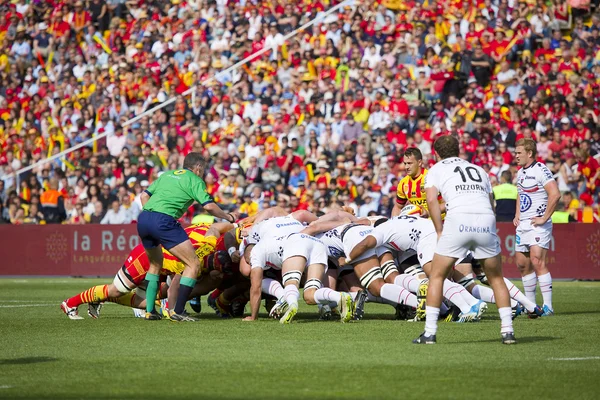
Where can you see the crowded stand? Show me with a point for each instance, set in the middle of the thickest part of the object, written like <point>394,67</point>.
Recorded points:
<point>323,119</point>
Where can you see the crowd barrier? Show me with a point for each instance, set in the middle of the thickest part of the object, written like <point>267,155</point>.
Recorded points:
<point>99,250</point>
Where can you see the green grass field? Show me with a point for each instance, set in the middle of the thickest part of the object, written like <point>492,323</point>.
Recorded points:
<point>45,355</point>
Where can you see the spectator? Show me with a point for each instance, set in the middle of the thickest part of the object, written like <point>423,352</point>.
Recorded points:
<point>115,215</point>
<point>325,97</point>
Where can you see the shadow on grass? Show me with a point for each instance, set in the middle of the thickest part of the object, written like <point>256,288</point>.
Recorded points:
<point>578,312</point>
<point>520,340</point>
<point>27,360</point>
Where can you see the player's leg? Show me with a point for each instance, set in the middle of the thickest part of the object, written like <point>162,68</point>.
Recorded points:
<point>493,270</point>
<point>371,278</point>
<point>315,293</point>
<point>292,270</point>
<point>389,270</point>
<point>538,262</point>
<point>185,252</point>
<point>528,276</point>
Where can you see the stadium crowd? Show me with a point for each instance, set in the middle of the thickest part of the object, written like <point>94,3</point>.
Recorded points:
<point>325,117</point>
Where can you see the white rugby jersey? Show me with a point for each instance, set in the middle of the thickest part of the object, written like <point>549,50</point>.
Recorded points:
<point>465,187</point>
<point>533,198</point>
<point>333,241</point>
<point>272,228</point>
<point>268,254</point>
<point>403,233</point>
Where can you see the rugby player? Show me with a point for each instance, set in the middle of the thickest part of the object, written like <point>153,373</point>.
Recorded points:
<point>470,226</point>
<point>205,240</point>
<point>293,254</point>
<point>414,233</point>
<point>340,238</point>
<point>538,197</point>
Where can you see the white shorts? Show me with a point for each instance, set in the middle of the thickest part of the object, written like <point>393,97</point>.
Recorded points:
<point>353,236</point>
<point>528,235</point>
<point>464,232</point>
<point>426,248</point>
<point>309,247</point>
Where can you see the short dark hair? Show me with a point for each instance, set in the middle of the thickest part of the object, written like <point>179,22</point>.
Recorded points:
<point>193,159</point>
<point>507,176</point>
<point>413,152</point>
<point>446,146</point>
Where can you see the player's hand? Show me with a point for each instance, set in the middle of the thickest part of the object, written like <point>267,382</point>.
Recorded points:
<point>249,318</point>
<point>516,221</point>
<point>424,213</point>
<point>235,257</point>
<point>537,221</point>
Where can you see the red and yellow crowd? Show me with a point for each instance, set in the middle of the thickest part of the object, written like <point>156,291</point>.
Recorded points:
<point>324,117</point>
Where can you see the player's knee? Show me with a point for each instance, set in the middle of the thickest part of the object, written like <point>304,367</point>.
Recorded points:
<point>310,287</point>
<point>113,291</point>
<point>122,284</point>
<point>291,278</point>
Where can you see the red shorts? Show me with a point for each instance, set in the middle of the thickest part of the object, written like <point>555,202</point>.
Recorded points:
<point>136,265</point>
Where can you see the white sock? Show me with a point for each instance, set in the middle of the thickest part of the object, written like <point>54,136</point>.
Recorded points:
<point>483,293</point>
<point>408,282</point>
<point>327,296</point>
<point>272,287</point>
<point>292,295</point>
<point>377,299</point>
<point>505,320</point>
<point>516,294</point>
<point>546,289</point>
<point>431,319</point>
<point>398,295</point>
<point>529,284</point>
<point>452,293</point>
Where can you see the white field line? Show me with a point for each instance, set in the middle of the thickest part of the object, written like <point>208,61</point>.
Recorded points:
<point>5,386</point>
<point>30,305</point>
<point>575,358</point>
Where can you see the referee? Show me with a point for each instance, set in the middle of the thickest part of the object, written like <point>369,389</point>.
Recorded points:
<point>164,203</point>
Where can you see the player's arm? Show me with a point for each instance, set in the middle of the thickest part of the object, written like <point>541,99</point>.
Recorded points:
<point>200,194</point>
<point>401,201</point>
<point>219,228</point>
<point>493,202</point>
<point>231,244</point>
<point>553,197</point>
<point>367,243</point>
<point>433,205</point>
<point>304,216</point>
<point>266,214</point>
<point>517,212</point>
<point>328,222</point>
<point>256,277</point>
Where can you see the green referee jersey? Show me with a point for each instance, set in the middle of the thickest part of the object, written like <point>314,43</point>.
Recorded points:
<point>175,191</point>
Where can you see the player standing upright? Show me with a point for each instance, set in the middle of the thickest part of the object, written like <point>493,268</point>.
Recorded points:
<point>411,189</point>
<point>164,203</point>
<point>470,226</point>
<point>538,197</point>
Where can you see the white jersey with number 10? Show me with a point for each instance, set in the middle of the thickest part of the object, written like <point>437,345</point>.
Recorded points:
<point>464,186</point>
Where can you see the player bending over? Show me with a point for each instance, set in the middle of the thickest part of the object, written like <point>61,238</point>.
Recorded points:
<point>292,255</point>
<point>133,272</point>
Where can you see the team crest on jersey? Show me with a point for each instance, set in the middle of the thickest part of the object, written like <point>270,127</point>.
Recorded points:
<point>525,202</point>
<point>537,239</point>
<point>420,256</point>
<point>335,252</point>
<point>179,172</point>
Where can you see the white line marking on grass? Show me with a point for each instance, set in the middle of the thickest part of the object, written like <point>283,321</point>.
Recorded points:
<point>575,358</point>
<point>29,305</point>
<point>5,386</point>
<point>19,301</point>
